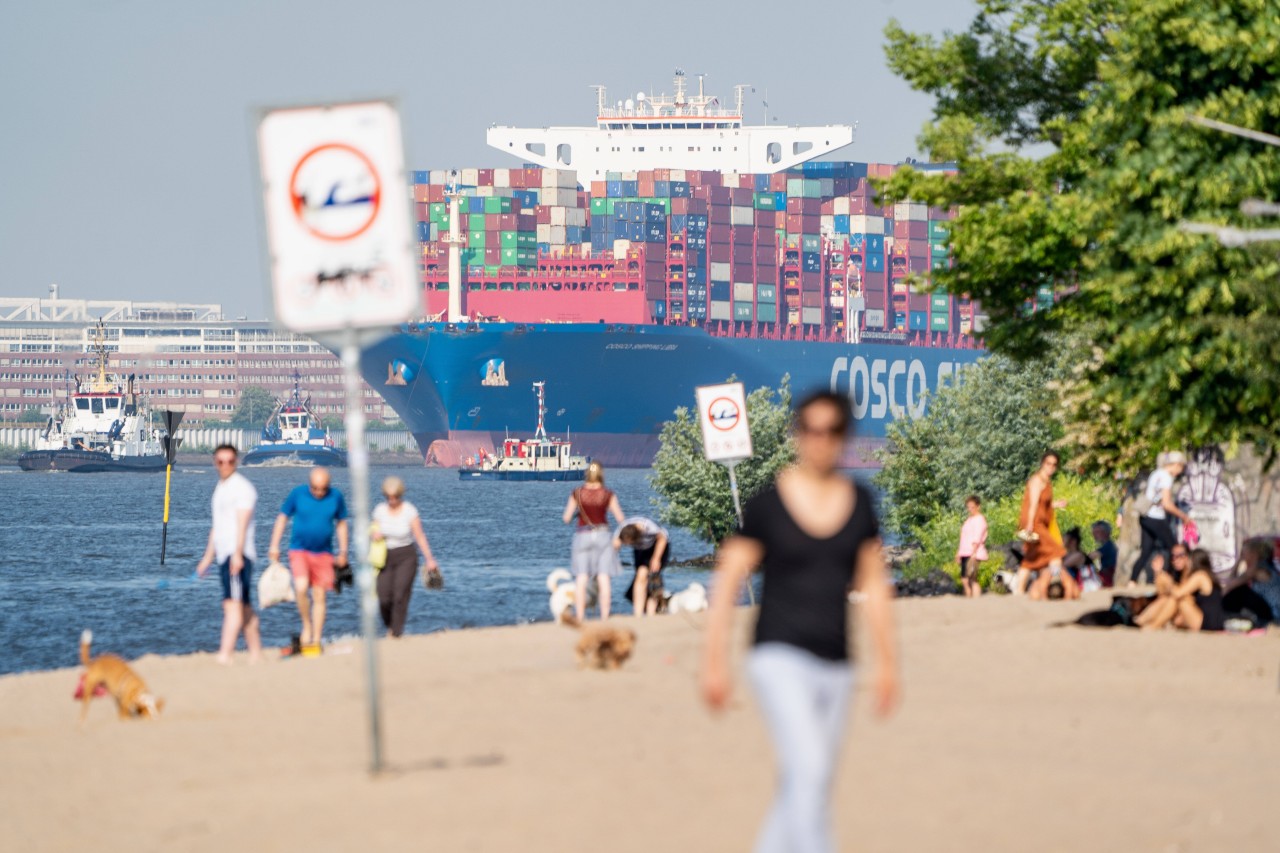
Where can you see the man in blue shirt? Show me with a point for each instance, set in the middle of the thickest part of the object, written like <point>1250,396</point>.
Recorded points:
<point>1106,553</point>
<point>317,511</point>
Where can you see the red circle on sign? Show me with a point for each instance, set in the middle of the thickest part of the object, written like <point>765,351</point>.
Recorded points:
<point>715,422</point>
<point>299,200</point>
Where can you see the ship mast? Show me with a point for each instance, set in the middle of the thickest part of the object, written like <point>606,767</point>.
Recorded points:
<point>541,388</point>
<point>100,384</point>
<point>454,241</point>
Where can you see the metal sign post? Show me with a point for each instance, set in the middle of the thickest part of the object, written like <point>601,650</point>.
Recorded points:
<point>171,445</point>
<point>342,266</point>
<point>726,435</point>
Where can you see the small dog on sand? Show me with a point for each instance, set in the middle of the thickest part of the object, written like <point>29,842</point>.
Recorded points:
<point>109,671</point>
<point>604,647</point>
<point>563,591</point>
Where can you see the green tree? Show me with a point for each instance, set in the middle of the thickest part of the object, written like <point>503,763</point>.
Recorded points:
<point>1067,121</point>
<point>694,493</point>
<point>32,415</point>
<point>983,436</point>
<point>254,407</point>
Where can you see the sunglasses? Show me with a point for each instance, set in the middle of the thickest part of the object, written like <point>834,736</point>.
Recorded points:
<point>818,432</point>
<point>393,497</point>
<point>221,462</point>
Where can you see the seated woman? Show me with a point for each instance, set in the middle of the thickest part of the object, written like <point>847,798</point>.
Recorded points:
<point>1075,560</point>
<point>1052,584</point>
<point>1255,593</point>
<point>1195,604</point>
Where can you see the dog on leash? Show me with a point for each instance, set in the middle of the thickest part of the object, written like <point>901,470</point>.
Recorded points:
<point>563,591</point>
<point>133,699</point>
<point>691,599</point>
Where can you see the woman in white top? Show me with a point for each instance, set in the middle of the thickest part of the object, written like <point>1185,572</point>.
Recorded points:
<point>1157,532</point>
<point>399,524</point>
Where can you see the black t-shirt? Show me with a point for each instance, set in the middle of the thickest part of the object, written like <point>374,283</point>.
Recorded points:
<point>806,580</point>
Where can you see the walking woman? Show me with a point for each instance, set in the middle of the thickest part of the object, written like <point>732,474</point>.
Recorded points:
<point>399,524</point>
<point>813,533</point>
<point>593,555</point>
<point>1037,527</point>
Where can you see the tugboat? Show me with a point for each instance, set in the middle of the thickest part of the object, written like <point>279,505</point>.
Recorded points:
<point>537,458</point>
<point>101,427</point>
<point>294,436</point>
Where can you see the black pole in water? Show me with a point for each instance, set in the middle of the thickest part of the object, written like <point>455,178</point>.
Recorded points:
<point>171,444</point>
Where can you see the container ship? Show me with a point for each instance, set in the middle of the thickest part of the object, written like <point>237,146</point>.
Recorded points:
<point>632,286</point>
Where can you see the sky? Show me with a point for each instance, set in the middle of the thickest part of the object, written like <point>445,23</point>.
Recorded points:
<point>126,127</point>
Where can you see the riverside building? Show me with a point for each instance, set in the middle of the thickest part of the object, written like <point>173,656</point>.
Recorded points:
<point>185,356</point>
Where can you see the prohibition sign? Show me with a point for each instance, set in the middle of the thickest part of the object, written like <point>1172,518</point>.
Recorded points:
<point>723,414</point>
<point>335,192</point>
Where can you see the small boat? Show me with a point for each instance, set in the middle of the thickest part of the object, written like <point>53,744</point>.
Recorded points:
<point>294,436</point>
<point>101,427</point>
<point>538,458</point>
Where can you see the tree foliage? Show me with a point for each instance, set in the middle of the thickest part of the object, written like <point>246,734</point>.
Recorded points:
<point>32,415</point>
<point>983,436</point>
<point>254,407</point>
<point>1067,121</point>
<point>694,493</point>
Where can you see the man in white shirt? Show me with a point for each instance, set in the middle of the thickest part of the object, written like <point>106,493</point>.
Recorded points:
<point>1157,533</point>
<point>231,546</point>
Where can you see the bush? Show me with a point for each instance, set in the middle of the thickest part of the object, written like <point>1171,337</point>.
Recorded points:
<point>1087,502</point>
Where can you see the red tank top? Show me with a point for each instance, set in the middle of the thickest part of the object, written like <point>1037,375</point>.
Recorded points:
<point>593,504</point>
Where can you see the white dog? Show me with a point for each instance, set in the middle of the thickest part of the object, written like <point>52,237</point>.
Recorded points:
<point>691,599</point>
<point>563,590</point>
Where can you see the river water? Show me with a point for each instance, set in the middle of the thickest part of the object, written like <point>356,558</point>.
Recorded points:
<point>83,551</point>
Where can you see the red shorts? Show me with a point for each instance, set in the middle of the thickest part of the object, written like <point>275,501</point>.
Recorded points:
<point>315,568</point>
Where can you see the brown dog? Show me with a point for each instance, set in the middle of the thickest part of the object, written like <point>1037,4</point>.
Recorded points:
<point>602,647</point>
<point>109,671</point>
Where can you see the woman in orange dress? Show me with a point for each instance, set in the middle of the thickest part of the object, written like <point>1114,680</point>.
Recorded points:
<point>1036,526</point>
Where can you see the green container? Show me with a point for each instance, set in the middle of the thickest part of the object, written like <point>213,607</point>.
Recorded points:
<point>795,187</point>
<point>941,263</point>
<point>526,240</point>
<point>767,313</point>
<point>940,250</point>
<point>609,204</point>
<point>766,293</point>
<point>527,257</point>
<point>743,311</point>
<point>470,257</point>
<point>439,208</point>
<point>939,232</point>
<point>766,201</point>
<point>599,206</point>
<point>940,303</point>
<point>509,239</point>
<point>492,269</point>
<point>811,188</point>
<point>811,243</point>
<point>476,239</point>
<point>497,204</point>
<point>474,221</point>
<point>940,322</point>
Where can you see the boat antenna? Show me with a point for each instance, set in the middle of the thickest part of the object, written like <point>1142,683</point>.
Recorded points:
<point>541,389</point>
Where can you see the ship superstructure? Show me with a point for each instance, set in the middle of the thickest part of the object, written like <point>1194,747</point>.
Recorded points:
<point>684,130</point>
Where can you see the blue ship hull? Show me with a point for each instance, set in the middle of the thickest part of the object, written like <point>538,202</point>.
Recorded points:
<point>462,388</point>
<point>522,476</point>
<point>87,461</point>
<point>295,454</point>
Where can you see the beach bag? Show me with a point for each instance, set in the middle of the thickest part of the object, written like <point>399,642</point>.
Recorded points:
<point>274,586</point>
<point>432,579</point>
<point>377,550</point>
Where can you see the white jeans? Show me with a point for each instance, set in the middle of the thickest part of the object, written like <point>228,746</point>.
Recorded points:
<point>805,702</point>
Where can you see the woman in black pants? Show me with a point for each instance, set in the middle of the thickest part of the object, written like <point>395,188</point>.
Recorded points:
<point>399,524</point>
<point>1157,532</point>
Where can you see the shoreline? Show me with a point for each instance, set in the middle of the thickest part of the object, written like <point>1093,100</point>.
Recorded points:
<point>1013,736</point>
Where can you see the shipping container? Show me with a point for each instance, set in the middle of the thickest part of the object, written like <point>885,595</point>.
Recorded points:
<point>743,311</point>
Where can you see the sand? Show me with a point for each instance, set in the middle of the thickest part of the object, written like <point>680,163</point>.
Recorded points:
<point>1013,736</point>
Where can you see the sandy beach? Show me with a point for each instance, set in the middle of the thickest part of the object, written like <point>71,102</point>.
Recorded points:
<point>1013,736</point>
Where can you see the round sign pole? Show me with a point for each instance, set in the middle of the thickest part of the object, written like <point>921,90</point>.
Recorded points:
<point>737,508</point>
<point>358,465</point>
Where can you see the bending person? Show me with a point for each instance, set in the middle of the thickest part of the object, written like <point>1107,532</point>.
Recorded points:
<point>649,547</point>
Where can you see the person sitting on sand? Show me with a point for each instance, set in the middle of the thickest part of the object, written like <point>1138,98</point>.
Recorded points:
<point>1106,553</point>
<point>1255,594</point>
<point>1195,604</point>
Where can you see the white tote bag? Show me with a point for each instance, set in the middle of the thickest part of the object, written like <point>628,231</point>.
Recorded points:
<point>275,586</point>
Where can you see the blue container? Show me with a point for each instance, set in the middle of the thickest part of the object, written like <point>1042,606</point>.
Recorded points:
<point>424,232</point>
<point>659,309</point>
<point>875,262</point>
<point>762,183</point>
<point>679,222</point>
<point>693,275</point>
<point>899,320</point>
<point>811,261</point>
<point>574,234</point>
<point>528,198</point>
<point>634,232</point>
<point>613,189</point>
<point>629,189</point>
<point>655,213</point>
<point>680,189</point>
<point>422,177</point>
<point>842,223</point>
<point>655,232</point>
<point>544,247</point>
<point>875,244</point>
<point>662,189</point>
<point>919,321</point>
<point>721,291</point>
<point>475,204</point>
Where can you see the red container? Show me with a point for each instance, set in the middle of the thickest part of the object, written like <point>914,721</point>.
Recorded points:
<point>422,210</point>
<point>720,196</point>
<point>543,212</point>
<point>719,253</point>
<point>766,273</point>
<point>810,299</point>
<point>484,177</point>
<point>766,219</point>
<point>901,231</point>
<point>827,206</point>
<point>857,206</point>
<point>743,234</point>
<point>696,205</point>
<point>766,253</point>
<point>435,193</point>
<point>645,182</point>
<point>719,213</point>
<point>493,254</point>
<point>506,221</point>
<point>680,206</point>
<point>422,192</point>
<point>940,214</point>
<point>526,221</point>
<point>875,300</point>
<point>743,253</point>
<point>744,197</point>
<point>533,178</point>
<point>778,182</point>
